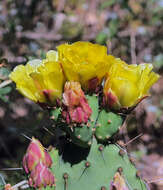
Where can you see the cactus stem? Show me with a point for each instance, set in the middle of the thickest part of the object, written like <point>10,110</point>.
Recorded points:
<point>89,143</point>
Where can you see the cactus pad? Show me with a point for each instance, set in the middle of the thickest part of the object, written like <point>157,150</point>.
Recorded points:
<point>107,125</point>
<point>96,170</point>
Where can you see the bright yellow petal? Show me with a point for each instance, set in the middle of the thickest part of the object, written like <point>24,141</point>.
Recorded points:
<point>83,61</point>
<point>125,90</point>
<point>23,82</point>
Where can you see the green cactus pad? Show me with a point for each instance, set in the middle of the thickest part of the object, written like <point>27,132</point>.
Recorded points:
<point>107,125</point>
<point>94,171</point>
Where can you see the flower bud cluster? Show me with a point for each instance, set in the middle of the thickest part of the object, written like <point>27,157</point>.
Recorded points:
<point>76,105</point>
<point>36,163</point>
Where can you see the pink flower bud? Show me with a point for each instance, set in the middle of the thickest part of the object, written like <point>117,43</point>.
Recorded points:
<point>41,176</point>
<point>77,108</point>
<point>48,160</point>
<point>35,154</point>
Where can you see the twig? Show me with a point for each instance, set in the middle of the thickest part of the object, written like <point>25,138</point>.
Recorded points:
<point>35,36</point>
<point>26,136</point>
<point>10,169</point>
<point>20,184</point>
<point>46,129</point>
<point>156,180</point>
<point>133,46</point>
<point>130,141</point>
<point>26,186</point>
<point>3,179</point>
<point>5,83</point>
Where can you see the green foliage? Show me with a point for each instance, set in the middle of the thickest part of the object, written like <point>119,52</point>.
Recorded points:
<point>101,38</point>
<point>108,3</point>
<point>3,92</point>
<point>113,27</point>
<point>158,61</point>
<point>4,72</point>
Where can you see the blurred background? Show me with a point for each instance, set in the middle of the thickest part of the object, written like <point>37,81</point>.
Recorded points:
<point>131,29</point>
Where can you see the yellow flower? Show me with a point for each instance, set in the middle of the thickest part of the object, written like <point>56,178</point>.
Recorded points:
<point>84,62</point>
<point>126,85</point>
<point>40,80</point>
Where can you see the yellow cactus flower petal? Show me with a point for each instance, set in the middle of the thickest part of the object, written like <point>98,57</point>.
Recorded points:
<point>83,61</point>
<point>49,77</point>
<point>40,80</point>
<point>126,85</point>
<point>23,82</point>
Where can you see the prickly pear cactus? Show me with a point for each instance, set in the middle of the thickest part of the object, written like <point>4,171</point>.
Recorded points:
<point>88,94</point>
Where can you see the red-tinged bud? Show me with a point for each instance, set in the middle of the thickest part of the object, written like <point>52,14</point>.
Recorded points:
<point>48,160</point>
<point>77,108</point>
<point>93,84</point>
<point>110,100</point>
<point>35,154</point>
<point>41,176</point>
<point>78,115</point>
